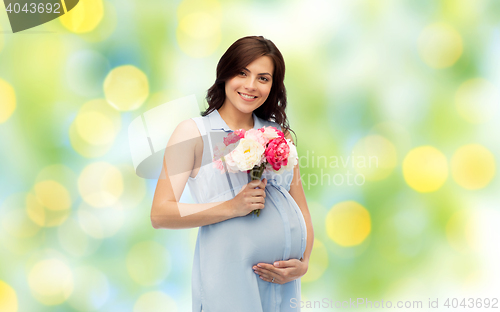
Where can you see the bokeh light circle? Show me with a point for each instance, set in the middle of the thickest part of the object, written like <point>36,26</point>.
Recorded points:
<point>100,184</point>
<point>100,222</point>
<point>106,27</point>
<point>126,88</point>
<point>396,133</point>
<point>155,301</point>
<point>42,215</point>
<point>51,281</point>
<point>8,298</point>
<point>84,17</point>
<point>318,262</point>
<point>61,174</point>
<point>53,195</point>
<point>440,45</point>
<point>477,100</point>
<point>7,100</point>
<point>473,166</point>
<point>134,188</point>
<point>14,218</point>
<point>348,223</point>
<point>91,289</point>
<point>74,240</point>
<point>95,128</point>
<point>375,157</point>
<point>425,169</point>
<point>49,203</point>
<point>148,263</point>
<point>198,34</point>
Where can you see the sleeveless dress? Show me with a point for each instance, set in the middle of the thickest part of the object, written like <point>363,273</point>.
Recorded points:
<point>222,278</point>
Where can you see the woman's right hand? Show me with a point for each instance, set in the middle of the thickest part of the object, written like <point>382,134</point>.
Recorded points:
<point>249,198</point>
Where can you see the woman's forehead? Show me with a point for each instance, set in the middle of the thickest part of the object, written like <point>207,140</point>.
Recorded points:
<point>262,64</point>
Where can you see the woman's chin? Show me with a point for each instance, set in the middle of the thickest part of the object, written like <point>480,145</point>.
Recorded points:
<point>248,107</point>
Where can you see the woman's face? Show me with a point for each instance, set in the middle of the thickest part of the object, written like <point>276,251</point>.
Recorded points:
<point>248,90</point>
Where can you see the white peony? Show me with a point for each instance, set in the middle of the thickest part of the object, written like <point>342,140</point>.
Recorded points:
<point>245,156</point>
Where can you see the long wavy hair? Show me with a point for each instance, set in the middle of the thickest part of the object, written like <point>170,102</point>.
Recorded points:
<point>241,53</point>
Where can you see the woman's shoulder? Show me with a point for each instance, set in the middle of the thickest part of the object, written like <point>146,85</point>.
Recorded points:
<point>185,130</point>
<point>188,126</point>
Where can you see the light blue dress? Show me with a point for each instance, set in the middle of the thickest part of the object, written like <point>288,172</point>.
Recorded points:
<point>223,279</point>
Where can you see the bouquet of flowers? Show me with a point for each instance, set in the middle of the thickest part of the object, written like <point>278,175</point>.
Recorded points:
<point>254,151</point>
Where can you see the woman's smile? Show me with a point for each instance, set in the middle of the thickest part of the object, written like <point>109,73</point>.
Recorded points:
<point>247,97</point>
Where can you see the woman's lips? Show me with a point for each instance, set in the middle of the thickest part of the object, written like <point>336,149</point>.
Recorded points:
<point>247,97</point>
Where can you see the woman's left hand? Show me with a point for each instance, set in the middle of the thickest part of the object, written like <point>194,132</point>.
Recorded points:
<point>282,271</point>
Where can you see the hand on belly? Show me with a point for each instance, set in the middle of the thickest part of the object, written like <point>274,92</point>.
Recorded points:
<point>281,272</point>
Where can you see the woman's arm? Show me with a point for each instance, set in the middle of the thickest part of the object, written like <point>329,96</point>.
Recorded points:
<point>178,162</point>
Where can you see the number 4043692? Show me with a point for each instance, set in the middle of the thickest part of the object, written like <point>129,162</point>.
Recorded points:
<point>472,303</point>
<point>34,8</point>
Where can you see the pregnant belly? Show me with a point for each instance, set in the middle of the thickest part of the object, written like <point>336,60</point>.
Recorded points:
<point>275,235</point>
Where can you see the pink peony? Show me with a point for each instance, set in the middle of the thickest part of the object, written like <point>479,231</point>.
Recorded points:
<point>234,137</point>
<point>277,152</point>
<point>271,132</point>
<point>240,132</point>
<point>219,165</point>
<point>220,149</point>
<point>257,136</point>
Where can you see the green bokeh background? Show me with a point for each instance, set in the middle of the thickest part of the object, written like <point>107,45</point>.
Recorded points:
<point>354,69</point>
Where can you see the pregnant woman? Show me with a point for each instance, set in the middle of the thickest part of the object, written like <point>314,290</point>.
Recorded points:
<point>242,262</point>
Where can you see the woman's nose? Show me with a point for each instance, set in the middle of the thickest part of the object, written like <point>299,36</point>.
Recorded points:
<point>250,84</point>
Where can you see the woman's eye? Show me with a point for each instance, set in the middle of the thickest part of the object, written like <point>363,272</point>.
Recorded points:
<point>264,78</point>
<point>242,73</point>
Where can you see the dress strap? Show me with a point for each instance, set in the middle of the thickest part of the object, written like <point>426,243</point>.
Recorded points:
<point>199,123</point>
<point>206,158</point>
<point>206,126</point>
<point>211,135</point>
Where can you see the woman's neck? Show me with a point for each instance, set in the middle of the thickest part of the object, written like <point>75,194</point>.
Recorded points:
<point>236,119</point>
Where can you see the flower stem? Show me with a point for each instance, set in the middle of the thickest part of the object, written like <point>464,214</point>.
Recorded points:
<point>256,174</point>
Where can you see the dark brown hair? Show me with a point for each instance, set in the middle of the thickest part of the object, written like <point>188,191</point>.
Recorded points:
<point>241,53</point>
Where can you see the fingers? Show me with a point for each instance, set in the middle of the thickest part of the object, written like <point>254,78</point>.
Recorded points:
<point>254,183</point>
<point>255,201</point>
<point>251,197</point>
<point>263,183</point>
<point>267,273</point>
<point>269,276</point>
<point>255,206</point>
<point>258,183</point>
<point>287,263</point>
<point>258,193</point>
<point>269,279</point>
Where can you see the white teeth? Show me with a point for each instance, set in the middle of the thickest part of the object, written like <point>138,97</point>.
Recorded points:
<point>247,96</point>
